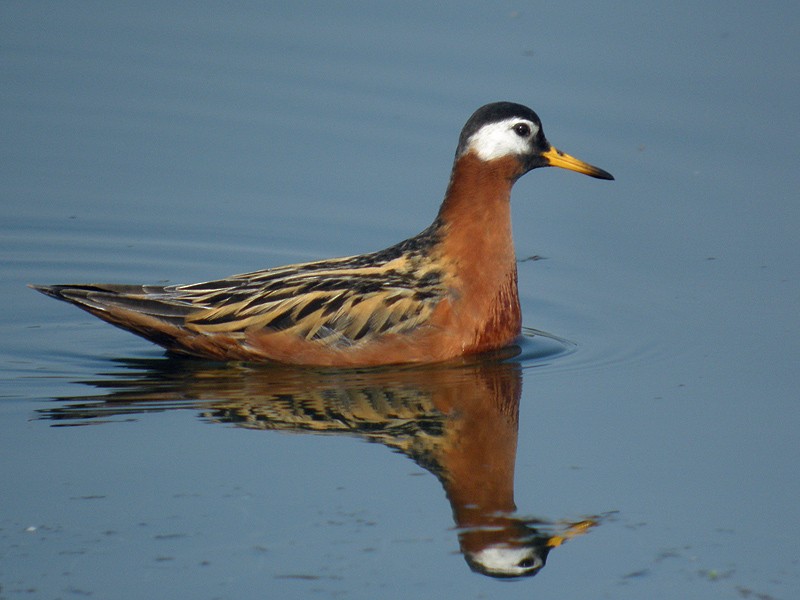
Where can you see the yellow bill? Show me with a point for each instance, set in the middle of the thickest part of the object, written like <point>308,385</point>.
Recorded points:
<point>556,158</point>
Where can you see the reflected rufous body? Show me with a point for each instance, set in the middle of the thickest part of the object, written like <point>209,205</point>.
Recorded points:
<point>459,421</point>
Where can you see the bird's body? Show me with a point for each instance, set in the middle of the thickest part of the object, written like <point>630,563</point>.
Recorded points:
<point>447,292</point>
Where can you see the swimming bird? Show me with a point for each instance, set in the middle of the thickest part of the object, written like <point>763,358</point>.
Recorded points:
<point>447,292</point>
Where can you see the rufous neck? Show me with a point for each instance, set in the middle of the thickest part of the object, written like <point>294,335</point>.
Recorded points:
<point>475,217</point>
<point>479,192</point>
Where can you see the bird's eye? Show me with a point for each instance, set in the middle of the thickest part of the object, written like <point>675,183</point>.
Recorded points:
<point>522,129</point>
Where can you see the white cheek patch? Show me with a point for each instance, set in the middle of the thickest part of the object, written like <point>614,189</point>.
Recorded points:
<point>496,140</point>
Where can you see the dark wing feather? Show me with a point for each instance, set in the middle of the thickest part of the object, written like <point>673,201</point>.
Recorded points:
<point>148,300</point>
<point>338,302</point>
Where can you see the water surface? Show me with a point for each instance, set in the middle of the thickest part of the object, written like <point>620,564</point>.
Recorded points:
<point>652,454</point>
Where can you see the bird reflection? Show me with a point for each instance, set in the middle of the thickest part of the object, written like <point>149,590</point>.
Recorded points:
<point>458,421</point>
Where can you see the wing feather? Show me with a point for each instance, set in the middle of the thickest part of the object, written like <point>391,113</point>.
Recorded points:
<point>337,302</point>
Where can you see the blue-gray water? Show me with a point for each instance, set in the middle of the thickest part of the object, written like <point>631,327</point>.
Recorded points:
<point>147,143</point>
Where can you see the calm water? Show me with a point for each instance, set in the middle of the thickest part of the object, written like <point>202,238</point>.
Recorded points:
<point>650,454</point>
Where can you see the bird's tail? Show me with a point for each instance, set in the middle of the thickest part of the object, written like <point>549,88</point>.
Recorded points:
<point>151,312</point>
